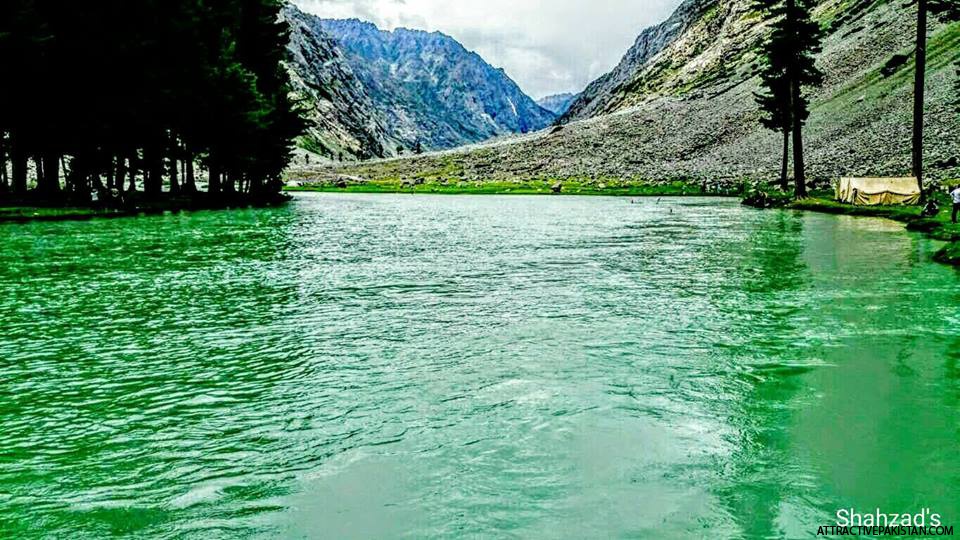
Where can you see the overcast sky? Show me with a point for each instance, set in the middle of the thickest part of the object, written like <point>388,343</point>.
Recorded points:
<point>547,46</point>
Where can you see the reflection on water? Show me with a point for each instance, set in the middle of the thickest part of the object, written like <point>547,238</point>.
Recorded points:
<point>381,366</point>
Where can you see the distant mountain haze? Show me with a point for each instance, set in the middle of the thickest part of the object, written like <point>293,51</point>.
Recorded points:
<point>558,104</point>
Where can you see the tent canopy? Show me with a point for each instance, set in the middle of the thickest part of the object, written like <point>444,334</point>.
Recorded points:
<point>878,191</point>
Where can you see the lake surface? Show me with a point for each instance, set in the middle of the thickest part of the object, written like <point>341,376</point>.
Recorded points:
<point>417,366</point>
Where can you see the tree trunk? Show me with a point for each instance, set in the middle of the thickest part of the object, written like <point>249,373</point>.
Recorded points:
<point>78,178</point>
<point>110,173</point>
<point>51,173</point>
<point>174,177</point>
<point>799,172</point>
<point>213,185</point>
<point>133,172</point>
<point>18,165</point>
<point>919,83</point>
<point>153,171</point>
<point>4,180</point>
<point>256,185</point>
<point>121,174</point>
<point>41,182</point>
<point>784,166</point>
<point>191,182</point>
<point>796,118</point>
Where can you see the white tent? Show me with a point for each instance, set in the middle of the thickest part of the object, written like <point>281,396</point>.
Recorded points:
<point>878,191</point>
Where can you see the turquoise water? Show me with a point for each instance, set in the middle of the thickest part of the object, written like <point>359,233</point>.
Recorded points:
<point>415,366</point>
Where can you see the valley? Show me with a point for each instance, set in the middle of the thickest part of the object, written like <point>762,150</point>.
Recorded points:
<point>680,107</point>
<point>371,93</point>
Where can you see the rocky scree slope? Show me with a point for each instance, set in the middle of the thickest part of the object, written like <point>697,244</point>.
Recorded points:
<point>680,106</point>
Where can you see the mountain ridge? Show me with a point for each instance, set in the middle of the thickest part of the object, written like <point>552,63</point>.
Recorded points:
<point>649,43</point>
<point>433,89</point>
<point>558,104</point>
<point>379,93</point>
<point>343,117</point>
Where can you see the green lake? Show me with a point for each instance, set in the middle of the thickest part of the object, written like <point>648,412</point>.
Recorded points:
<point>382,366</point>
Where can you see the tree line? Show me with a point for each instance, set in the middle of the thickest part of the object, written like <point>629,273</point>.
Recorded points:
<point>152,96</point>
<point>789,71</point>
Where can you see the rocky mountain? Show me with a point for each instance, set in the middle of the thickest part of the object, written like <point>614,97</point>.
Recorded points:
<point>431,90</point>
<point>345,119</point>
<point>558,104</point>
<point>651,42</point>
<point>372,93</point>
<point>680,106</point>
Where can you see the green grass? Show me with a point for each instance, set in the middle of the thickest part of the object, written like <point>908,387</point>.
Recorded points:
<point>533,187</point>
<point>949,255</point>
<point>830,206</point>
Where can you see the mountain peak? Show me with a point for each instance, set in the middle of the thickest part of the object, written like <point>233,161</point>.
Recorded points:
<point>427,89</point>
<point>558,104</point>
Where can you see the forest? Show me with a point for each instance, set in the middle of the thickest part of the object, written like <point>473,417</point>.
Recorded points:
<point>114,101</point>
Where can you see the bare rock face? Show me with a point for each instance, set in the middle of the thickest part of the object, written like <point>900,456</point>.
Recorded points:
<point>345,121</point>
<point>431,89</point>
<point>371,93</point>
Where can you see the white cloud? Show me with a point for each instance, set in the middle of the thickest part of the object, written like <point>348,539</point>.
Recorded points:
<point>547,46</point>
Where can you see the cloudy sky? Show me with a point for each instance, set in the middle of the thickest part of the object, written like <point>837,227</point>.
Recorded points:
<point>547,46</point>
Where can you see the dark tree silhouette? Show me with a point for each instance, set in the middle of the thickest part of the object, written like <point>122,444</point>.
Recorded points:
<point>919,84</point>
<point>189,82</point>
<point>790,67</point>
<point>946,9</point>
<point>774,102</point>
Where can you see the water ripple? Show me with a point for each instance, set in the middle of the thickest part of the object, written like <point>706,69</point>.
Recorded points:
<point>458,366</point>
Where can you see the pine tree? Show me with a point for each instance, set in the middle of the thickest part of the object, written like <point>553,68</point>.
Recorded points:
<point>948,10</point>
<point>790,68</point>
<point>775,111</point>
<point>188,82</point>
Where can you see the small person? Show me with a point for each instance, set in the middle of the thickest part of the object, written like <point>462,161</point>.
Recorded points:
<point>955,195</point>
<point>931,209</point>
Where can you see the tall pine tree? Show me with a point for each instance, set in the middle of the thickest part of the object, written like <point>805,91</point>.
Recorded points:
<point>948,10</point>
<point>790,68</point>
<point>774,102</point>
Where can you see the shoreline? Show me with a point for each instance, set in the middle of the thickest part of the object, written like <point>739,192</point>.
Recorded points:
<point>30,209</point>
<point>554,188</point>
<point>937,228</point>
